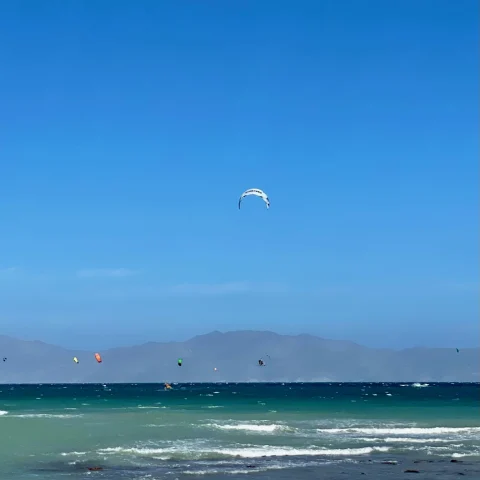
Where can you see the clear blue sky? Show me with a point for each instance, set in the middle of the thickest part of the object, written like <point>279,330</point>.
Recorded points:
<point>128,130</point>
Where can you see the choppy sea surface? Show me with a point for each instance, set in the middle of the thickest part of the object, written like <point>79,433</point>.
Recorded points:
<point>141,431</point>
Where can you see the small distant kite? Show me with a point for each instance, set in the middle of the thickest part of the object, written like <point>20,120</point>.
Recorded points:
<point>98,358</point>
<point>257,193</point>
<point>179,362</point>
<point>75,359</point>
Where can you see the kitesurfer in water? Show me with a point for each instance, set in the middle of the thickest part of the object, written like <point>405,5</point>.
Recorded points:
<point>261,363</point>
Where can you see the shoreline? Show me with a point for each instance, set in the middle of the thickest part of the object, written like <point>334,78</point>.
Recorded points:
<point>391,467</point>
<point>332,468</point>
<point>395,466</point>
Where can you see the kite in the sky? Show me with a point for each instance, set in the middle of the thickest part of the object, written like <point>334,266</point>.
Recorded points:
<point>257,193</point>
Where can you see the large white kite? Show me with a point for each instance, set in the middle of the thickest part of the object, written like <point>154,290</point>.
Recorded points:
<point>256,192</point>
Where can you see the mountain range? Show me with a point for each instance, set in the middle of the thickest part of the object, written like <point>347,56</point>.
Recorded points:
<point>233,357</point>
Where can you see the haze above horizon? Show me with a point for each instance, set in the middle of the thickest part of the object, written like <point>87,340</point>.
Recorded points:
<point>130,129</point>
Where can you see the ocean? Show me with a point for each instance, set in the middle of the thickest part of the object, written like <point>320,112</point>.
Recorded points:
<point>254,430</point>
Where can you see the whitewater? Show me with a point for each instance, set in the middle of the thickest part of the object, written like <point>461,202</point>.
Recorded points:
<point>264,431</point>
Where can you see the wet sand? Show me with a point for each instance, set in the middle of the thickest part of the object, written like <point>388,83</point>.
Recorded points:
<point>388,467</point>
<point>393,467</point>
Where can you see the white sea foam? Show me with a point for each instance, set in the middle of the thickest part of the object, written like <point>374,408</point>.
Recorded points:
<point>231,472</point>
<point>434,450</point>
<point>187,452</point>
<point>46,415</point>
<point>247,427</point>
<point>402,431</point>
<point>238,471</point>
<point>474,453</point>
<point>404,440</point>
<point>448,451</point>
<point>3,412</point>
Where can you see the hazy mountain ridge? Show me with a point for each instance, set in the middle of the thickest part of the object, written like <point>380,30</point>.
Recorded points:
<point>235,354</point>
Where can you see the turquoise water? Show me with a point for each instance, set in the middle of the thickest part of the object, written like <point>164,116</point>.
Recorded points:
<point>142,431</point>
